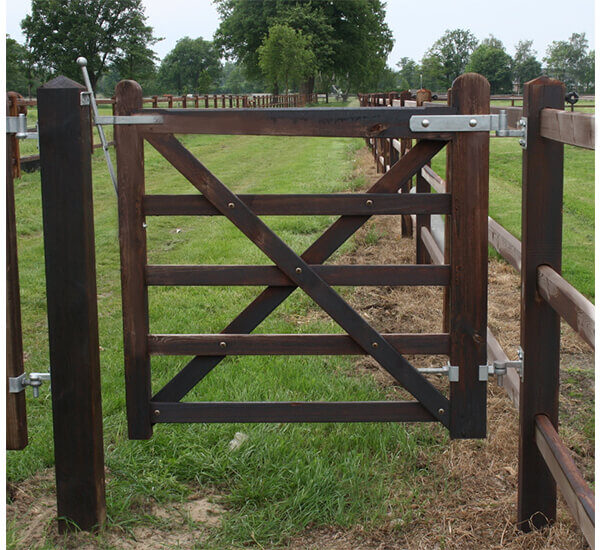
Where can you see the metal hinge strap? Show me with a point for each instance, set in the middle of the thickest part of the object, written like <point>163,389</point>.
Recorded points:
<point>16,384</point>
<point>18,125</point>
<point>500,368</point>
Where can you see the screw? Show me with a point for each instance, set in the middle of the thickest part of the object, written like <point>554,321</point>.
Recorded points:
<point>441,411</point>
<point>374,345</point>
<point>522,142</point>
<point>369,202</point>
<point>298,270</point>
<point>231,205</point>
<point>156,412</point>
<point>223,344</point>
<point>425,123</point>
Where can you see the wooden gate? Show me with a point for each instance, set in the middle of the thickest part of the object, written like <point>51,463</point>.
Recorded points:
<point>464,273</point>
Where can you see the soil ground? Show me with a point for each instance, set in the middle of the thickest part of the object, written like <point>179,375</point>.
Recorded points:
<point>475,509</point>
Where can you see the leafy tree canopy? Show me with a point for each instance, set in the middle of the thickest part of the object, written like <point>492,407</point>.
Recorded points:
<point>349,38</point>
<point>16,68</point>
<point>192,66</point>
<point>409,74</point>
<point>572,62</point>
<point>447,58</point>
<point>286,56</point>
<point>59,31</point>
<point>491,60</point>
<point>525,65</point>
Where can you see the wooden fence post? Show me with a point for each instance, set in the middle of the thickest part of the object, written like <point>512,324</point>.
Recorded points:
<point>540,324</point>
<point>13,110</point>
<point>66,181</point>
<point>16,419</point>
<point>468,154</point>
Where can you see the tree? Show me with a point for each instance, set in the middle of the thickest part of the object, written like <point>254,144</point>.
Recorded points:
<point>448,57</point>
<point>349,38</point>
<point>16,69</point>
<point>491,60</point>
<point>569,61</point>
<point>234,80</point>
<point>525,66</point>
<point>409,74</point>
<point>59,31</point>
<point>192,66</point>
<point>285,56</point>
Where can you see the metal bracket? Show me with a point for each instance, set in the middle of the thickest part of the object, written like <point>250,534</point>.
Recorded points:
<point>17,384</point>
<point>18,125</point>
<point>500,368</point>
<point>470,123</point>
<point>451,370</point>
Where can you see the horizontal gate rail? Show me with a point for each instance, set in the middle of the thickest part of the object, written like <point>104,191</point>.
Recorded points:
<point>356,204</point>
<point>266,275</point>
<point>289,344</point>
<point>325,122</point>
<point>341,411</point>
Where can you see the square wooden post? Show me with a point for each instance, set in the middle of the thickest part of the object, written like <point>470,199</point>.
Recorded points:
<point>66,176</point>
<point>468,155</point>
<point>540,324</point>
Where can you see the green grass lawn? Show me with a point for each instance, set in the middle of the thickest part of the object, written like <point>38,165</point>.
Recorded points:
<point>578,209</point>
<point>286,477</point>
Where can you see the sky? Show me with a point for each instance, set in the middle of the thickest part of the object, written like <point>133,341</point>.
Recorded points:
<point>415,25</point>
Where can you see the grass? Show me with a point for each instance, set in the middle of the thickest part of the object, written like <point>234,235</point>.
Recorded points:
<point>285,477</point>
<point>578,204</point>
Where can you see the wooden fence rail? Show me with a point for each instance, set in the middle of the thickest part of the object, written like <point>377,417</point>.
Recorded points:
<point>544,459</point>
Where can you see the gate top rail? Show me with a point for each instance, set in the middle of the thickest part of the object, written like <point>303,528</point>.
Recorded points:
<point>325,122</point>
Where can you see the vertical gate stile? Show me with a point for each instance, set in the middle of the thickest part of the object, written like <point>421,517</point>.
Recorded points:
<point>540,324</point>
<point>132,238</point>
<point>469,160</point>
<point>16,419</point>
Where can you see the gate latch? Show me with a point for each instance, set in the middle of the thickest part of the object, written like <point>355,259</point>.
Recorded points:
<point>17,384</point>
<point>470,123</point>
<point>500,368</point>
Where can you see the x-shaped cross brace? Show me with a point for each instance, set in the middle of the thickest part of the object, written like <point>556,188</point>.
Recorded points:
<point>297,269</point>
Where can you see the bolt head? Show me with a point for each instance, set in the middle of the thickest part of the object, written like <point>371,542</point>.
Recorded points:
<point>156,412</point>
<point>223,344</point>
<point>369,202</point>
<point>81,61</point>
<point>425,123</point>
<point>231,205</point>
<point>473,122</point>
<point>298,270</point>
<point>374,345</point>
<point>441,411</point>
<point>522,142</point>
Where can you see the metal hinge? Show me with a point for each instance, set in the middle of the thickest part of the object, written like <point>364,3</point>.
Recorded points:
<point>500,368</point>
<point>18,125</point>
<point>17,384</point>
<point>450,370</point>
<point>470,123</point>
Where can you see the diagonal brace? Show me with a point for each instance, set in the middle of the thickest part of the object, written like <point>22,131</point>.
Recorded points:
<point>264,304</point>
<point>300,272</point>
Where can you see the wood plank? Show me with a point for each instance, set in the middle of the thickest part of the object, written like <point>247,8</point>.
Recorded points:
<point>341,411</point>
<point>357,204</point>
<point>341,230</point>
<point>266,275</point>
<point>132,239</point>
<point>511,381</point>
<point>468,245</point>
<point>298,270</point>
<point>540,324</point>
<point>16,414</point>
<point>433,179</point>
<point>571,128</point>
<point>288,344</point>
<point>69,250</point>
<point>568,302</point>
<point>434,251</point>
<point>506,244</point>
<point>327,121</point>
<point>576,492</point>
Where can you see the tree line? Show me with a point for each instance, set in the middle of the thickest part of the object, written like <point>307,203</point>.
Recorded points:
<point>268,45</point>
<point>458,51</point>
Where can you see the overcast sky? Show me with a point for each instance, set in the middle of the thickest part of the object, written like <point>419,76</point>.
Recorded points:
<point>415,25</point>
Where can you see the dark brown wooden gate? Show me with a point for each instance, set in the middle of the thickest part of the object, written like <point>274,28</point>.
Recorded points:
<point>464,273</point>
